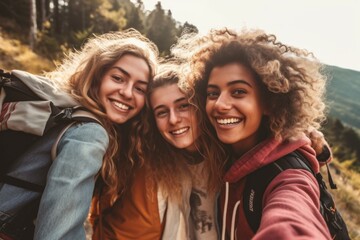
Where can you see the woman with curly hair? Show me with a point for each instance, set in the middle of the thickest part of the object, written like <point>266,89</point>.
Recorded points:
<point>260,97</point>
<point>109,77</point>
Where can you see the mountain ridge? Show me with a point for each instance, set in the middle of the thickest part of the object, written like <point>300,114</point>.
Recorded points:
<point>343,95</point>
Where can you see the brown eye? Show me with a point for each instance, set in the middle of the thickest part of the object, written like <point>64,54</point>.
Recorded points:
<point>160,114</point>
<point>118,79</point>
<point>239,91</point>
<point>212,94</point>
<point>184,106</point>
<point>140,90</point>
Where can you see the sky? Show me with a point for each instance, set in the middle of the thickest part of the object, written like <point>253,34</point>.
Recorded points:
<point>328,28</point>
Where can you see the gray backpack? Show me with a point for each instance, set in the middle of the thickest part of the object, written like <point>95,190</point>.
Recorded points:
<point>34,114</point>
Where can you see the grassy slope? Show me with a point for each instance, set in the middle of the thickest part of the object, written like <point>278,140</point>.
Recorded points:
<point>347,195</point>
<point>16,55</point>
<point>343,95</point>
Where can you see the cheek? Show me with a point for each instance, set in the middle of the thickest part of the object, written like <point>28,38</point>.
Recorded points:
<point>140,101</point>
<point>101,91</point>
<point>161,124</point>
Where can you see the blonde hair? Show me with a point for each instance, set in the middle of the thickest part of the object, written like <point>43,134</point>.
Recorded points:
<point>168,163</point>
<point>81,73</point>
<point>291,80</point>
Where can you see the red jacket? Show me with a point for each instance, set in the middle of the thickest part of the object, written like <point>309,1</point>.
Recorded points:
<point>290,202</point>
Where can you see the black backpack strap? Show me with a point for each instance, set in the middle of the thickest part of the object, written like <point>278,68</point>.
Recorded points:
<point>332,216</point>
<point>22,183</point>
<point>257,182</point>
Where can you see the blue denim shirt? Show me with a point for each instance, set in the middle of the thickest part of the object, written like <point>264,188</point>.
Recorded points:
<point>70,183</point>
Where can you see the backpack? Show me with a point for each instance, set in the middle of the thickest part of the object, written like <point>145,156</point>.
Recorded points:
<point>34,114</point>
<point>254,191</point>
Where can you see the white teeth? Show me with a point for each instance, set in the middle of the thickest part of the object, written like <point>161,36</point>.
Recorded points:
<point>180,131</point>
<point>225,121</point>
<point>121,106</point>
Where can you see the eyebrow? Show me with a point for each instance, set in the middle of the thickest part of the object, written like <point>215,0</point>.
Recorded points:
<point>176,101</point>
<point>231,83</point>
<point>128,75</point>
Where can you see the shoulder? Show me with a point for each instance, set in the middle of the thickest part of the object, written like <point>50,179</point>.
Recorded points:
<point>297,173</point>
<point>292,202</point>
<point>90,132</point>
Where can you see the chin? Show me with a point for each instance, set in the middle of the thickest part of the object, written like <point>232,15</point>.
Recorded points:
<point>228,140</point>
<point>182,146</point>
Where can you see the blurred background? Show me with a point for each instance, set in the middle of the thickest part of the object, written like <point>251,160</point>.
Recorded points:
<point>35,35</point>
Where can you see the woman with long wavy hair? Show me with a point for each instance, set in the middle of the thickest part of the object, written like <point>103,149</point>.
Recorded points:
<point>109,76</point>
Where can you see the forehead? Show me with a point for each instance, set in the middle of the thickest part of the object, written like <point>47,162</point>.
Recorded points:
<point>166,95</point>
<point>230,72</point>
<point>135,67</point>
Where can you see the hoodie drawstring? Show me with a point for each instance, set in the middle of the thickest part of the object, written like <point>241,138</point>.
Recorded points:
<point>232,232</point>
<point>225,210</point>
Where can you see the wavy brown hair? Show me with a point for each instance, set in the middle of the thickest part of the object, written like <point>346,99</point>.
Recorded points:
<point>80,74</point>
<point>291,79</point>
<point>169,164</point>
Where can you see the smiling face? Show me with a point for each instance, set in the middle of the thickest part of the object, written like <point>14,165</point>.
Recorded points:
<point>174,116</point>
<point>234,106</point>
<point>123,88</point>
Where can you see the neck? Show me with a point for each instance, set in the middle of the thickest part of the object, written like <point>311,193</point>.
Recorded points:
<point>193,157</point>
<point>245,145</point>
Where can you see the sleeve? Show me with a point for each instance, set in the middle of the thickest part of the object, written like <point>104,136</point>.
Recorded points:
<point>70,183</point>
<point>291,208</point>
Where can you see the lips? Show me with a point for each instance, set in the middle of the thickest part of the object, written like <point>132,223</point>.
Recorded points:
<point>180,131</point>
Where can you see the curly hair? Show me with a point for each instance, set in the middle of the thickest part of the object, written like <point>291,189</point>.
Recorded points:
<point>291,79</point>
<point>169,164</point>
<point>80,74</point>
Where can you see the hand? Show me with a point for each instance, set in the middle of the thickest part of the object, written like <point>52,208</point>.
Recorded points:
<point>320,145</point>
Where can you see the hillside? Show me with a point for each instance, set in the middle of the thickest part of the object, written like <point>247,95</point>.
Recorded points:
<point>343,95</point>
<point>16,55</point>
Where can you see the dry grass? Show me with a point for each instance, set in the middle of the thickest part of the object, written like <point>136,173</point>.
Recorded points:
<point>16,55</point>
<point>347,195</point>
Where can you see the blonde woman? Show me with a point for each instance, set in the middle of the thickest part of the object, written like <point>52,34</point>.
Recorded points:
<point>109,76</point>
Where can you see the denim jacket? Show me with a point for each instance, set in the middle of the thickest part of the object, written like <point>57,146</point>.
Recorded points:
<point>70,183</point>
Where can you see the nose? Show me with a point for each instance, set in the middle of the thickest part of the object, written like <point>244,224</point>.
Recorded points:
<point>126,91</point>
<point>174,117</point>
<point>222,104</point>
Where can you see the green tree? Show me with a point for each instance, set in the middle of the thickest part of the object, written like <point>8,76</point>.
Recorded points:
<point>135,17</point>
<point>161,28</point>
<point>187,28</point>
